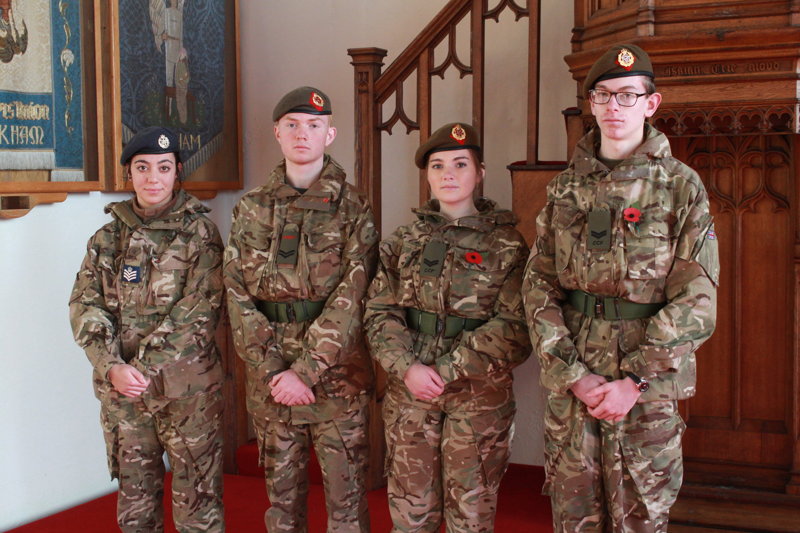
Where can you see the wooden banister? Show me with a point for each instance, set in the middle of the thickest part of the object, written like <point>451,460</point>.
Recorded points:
<point>374,89</point>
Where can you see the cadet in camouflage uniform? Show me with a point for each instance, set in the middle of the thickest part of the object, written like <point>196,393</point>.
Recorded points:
<point>145,307</point>
<point>301,254</point>
<point>620,291</point>
<point>445,320</point>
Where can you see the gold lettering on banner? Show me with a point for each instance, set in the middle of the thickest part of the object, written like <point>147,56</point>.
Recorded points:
<point>26,135</point>
<point>32,111</point>
<point>189,142</point>
<point>21,111</point>
<point>6,110</point>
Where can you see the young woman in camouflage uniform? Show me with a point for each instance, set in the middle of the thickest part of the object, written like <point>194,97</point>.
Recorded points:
<point>145,307</point>
<point>445,320</point>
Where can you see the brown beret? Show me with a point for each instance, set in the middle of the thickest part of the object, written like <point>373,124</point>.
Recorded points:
<point>152,140</point>
<point>303,100</point>
<point>620,61</point>
<point>453,136</point>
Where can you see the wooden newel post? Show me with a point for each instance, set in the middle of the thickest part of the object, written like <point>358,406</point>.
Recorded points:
<point>368,63</point>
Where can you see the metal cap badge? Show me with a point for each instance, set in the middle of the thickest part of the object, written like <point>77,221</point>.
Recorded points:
<point>152,140</point>
<point>452,136</point>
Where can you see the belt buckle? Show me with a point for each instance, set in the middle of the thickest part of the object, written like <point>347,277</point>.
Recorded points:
<point>439,325</point>
<point>599,308</point>
<point>290,312</point>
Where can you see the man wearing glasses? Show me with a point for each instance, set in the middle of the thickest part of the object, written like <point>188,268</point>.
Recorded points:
<point>620,291</point>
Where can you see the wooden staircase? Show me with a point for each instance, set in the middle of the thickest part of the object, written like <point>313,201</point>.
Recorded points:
<point>375,89</point>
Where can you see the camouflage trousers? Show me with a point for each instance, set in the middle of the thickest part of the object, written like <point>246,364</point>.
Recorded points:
<point>612,477</point>
<point>443,460</point>
<point>137,435</point>
<point>342,449</point>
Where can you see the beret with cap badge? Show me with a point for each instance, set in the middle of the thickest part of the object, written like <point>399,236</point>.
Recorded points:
<point>303,100</point>
<point>452,136</point>
<point>151,140</point>
<point>619,61</point>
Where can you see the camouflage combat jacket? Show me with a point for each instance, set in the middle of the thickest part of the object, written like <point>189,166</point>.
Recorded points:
<point>335,261</point>
<point>480,278</point>
<point>148,294</point>
<point>669,255</point>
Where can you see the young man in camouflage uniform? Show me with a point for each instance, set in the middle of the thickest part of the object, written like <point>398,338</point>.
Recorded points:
<point>445,320</point>
<point>301,254</point>
<point>620,291</point>
<point>145,307</point>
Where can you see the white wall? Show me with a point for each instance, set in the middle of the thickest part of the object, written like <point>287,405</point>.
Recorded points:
<point>51,448</point>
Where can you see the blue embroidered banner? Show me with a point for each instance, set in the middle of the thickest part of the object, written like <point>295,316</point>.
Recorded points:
<point>172,72</point>
<point>41,107</point>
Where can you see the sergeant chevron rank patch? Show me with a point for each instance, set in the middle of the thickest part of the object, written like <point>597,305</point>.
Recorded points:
<point>132,274</point>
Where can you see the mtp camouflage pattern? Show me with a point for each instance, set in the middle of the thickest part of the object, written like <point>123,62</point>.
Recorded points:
<point>148,294</point>
<point>342,448</point>
<point>190,431</point>
<point>453,451</point>
<point>336,258</point>
<point>668,256</point>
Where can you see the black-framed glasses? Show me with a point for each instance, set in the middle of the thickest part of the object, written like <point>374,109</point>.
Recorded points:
<point>599,96</point>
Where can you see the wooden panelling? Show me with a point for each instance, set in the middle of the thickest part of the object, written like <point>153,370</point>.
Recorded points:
<point>728,73</point>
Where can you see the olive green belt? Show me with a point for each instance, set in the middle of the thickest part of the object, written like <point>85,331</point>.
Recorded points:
<point>610,308</point>
<point>432,324</point>
<point>299,311</point>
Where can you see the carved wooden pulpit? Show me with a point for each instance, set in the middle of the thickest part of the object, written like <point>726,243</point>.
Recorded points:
<point>728,72</point>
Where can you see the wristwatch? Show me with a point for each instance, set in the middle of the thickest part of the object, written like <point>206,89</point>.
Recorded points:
<point>641,384</point>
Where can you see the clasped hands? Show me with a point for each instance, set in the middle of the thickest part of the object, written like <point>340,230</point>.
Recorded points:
<point>423,382</point>
<point>606,400</point>
<point>289,389</point>
<point>128,380</point>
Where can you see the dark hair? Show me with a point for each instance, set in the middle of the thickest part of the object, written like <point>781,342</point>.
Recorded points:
<point>649,85</point>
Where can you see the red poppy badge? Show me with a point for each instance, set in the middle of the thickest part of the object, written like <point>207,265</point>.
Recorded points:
<point>632,214</point>
<point>473,257</point>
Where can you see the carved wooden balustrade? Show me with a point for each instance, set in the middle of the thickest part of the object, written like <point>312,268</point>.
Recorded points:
<point>374,89</point>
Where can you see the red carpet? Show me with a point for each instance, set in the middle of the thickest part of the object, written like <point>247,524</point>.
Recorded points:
<point>521,509</point>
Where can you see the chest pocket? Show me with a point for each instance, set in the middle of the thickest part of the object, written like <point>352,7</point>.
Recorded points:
<point>647,245</point>
<point>325,244</point>
<point>569,222</point>
<point>168,276</point>
<point>478,275</point>
<point>255,253</point>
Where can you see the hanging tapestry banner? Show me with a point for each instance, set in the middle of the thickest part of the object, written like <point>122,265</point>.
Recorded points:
<point>40,88</point>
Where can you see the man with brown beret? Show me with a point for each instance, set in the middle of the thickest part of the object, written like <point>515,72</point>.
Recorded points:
<point>301,254</point>
<point>620,291</point>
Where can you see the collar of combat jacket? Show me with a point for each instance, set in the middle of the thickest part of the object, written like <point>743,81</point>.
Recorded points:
<point>655,146</point>
<point>185,204</point>
<point>323,193</point>
<point>488,217</point>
